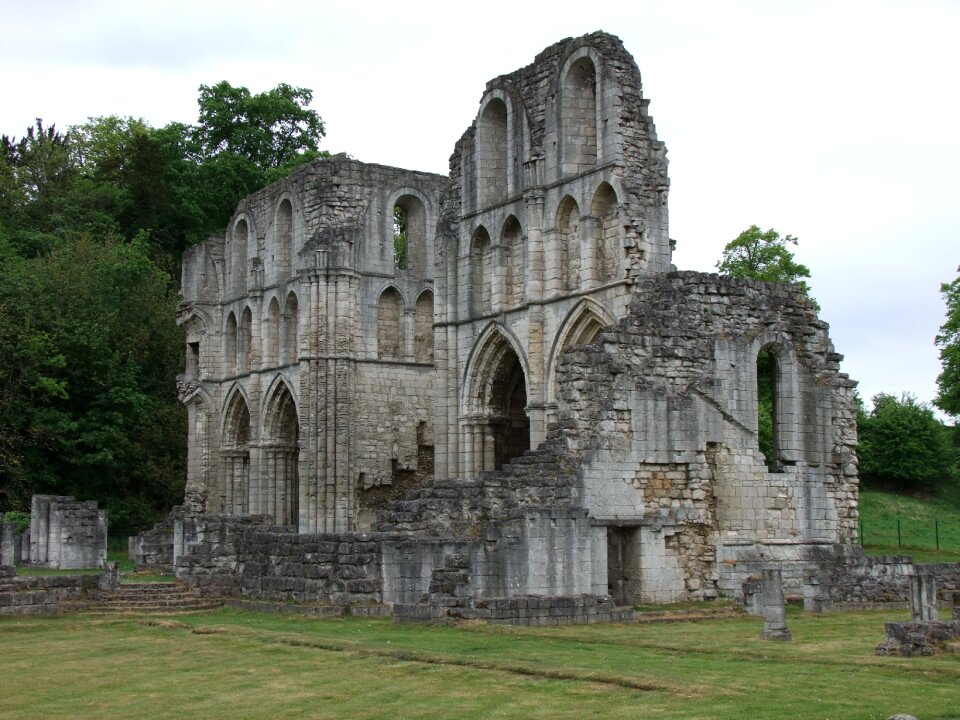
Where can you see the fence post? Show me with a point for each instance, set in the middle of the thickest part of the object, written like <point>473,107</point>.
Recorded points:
<point>898,533</point>
<point>936,528</point>
<point>861,532</point>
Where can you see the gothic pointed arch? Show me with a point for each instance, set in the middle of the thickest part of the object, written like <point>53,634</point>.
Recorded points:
<point>492,152</point>
<point>568,236</point>
<point>280,454</point>
<point>605,241</point>
<point>423,328</point>
<point>271,334</point>
<point>290,330</point>
<point>578,115</point>
<point>236,435</point>
<point>777,400</point>
<point>585,321</point>
<point>245,354</point>
<point>200,444</point>
<point>230,345</point>
<point>390,339</point>
<point>495,425</point>
<point>281,259</point>
<point>511,241</point>
<point>481,262</point>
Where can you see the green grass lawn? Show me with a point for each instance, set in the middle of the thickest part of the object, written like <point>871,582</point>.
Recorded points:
<point>230,664</point>
<point>879,512</point>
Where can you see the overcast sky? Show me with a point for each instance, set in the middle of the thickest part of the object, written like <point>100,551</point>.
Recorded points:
<point>835,122</point>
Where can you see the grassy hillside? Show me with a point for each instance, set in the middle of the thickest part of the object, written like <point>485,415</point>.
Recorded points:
<point>918,517</point>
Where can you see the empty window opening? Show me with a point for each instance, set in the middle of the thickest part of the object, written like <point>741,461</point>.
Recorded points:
<point>193,360</point>
<point>399,238</point>
<point>767,398</point>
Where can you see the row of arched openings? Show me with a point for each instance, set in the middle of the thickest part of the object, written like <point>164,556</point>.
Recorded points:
<point>392,328</point>
<point>277,267</point>
<point>279,333</point>
<point>584,252</point>
<point>272,488</point>
<point>577,150</point>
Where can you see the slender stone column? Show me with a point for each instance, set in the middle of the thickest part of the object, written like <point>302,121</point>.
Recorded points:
<point>774,614</point>
<point>923,598</point>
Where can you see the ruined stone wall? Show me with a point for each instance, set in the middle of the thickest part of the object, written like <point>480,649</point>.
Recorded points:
<point>14,546</point>
<point>66,533</point>
<point>657,439</point>
<point>558,201</point>
<point>51,595</point>
<point>298,320</point>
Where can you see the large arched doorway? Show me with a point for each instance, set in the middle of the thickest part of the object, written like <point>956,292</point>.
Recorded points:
<point>280,453</point>
<point>508,419</point>
<point>235,488</point>
<point>496,427</point>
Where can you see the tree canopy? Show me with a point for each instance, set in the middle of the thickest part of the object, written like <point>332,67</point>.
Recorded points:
<point>763,255</point>
<point>93,222</point>
<point>948,340</point>
<point>902,444</point>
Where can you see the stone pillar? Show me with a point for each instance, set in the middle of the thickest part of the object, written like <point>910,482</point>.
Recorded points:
<point>923,598</point>
<point>774,614</point>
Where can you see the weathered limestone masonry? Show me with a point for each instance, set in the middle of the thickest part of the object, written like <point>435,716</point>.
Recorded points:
<point>67,534</point>
<point>309,351</point>
<point>51,595</point>
<point>581,423</point>
<point>14,546</point>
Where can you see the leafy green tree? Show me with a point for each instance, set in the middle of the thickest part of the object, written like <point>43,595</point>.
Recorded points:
<point>764,255</point>
<point>948,340</point>
<point>274,130</point>
<point>902,444</point>
<point>99,417</point>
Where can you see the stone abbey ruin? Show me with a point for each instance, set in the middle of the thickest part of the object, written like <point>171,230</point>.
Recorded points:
<point>526,408</point>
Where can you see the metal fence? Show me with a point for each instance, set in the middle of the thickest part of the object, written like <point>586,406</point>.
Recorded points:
<point>909,533</point>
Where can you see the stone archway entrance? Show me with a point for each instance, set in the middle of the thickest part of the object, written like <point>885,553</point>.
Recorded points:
<point>280,479</point>
<point>509,423</point>
<point>495,426</point>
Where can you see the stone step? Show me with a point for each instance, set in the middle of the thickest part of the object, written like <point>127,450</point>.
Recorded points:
<point>159,597</point>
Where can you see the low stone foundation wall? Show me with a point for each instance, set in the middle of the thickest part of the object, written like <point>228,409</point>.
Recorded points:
<point>909,639</point>
<point>46,595</point>
<point>851,579</point>
<point>153,548</point>
<point>522,610</point>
